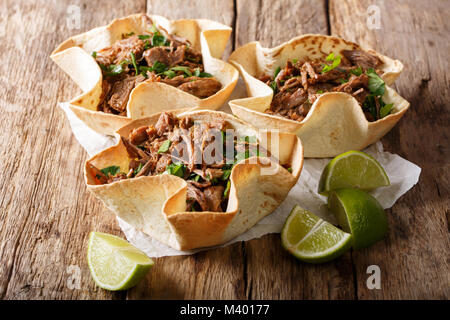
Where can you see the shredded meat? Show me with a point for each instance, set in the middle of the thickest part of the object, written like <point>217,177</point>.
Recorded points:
<point>120,51</point>
<point>298,85</point>
<point>362,58</point>
<point>167,147</point>
<point>213,196</point>
<point>165,123</point>
<point>120,91</point>
<point>196,195</point>
<point>166,55</point>
<point>134,58</point>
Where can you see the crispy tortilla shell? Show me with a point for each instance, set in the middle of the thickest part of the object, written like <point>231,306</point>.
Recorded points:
<point>156,205</point>
<point>336,122</point>
<point>74,57</point>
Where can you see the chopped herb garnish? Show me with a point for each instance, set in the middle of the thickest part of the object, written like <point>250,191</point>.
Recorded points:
<point>205,75</point>
<point>335,61</point>
<point>386,110</point>
<point>227,189</point>
<point>159,67</point>
<point>126,35</point>
<point>112,69</point>
<point>277,71</point>
<point>164,147</point>
<point>198,73</point>
<point>184,69</point>
<point>159,40</point>
<point>112,170</point>
<point>94,54</point>
<point>133,60</point>
<point>144,36</point>
<point>139,168</point>
<point>294,60</point>
<point>376,84</point>
<point>273,85</point>
<point>319,91</point>
<point>289,170</point>
<point>357,72</point>
<point>169,74</point>
<point>342,81</point>
<point>175,169</point>
<point>226,174</point>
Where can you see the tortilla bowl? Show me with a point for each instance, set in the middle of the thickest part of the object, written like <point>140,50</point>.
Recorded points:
<point>74,57</point>
<point>156,204</point>
<point>336,122</point>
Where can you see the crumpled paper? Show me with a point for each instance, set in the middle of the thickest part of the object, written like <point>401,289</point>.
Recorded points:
<point>402,174</point>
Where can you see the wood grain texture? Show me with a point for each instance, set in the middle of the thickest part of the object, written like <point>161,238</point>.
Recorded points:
<point>46,213</point>
<point>414,259</point>
<point>274,22</point>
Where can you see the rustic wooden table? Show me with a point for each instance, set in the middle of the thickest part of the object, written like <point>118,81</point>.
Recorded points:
<point>46,213</point>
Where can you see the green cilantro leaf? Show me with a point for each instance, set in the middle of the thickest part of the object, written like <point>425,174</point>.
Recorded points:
<point>112,170</point>
<point>376,84</point>
<point>183,69</point>
<point>164,147</point>
<point>133,60</point>
<point>273,85</point>
<point>357,72</point>
<point>277,71</point>
<point>169,74</point>
<point>335,61</point>
<point>226,174</point>
<point>386,110</point>
<point>159,67</point>
<point>227,189</point>
<point>159,40</point>
<point>176,169</point>
<point>138,169</point>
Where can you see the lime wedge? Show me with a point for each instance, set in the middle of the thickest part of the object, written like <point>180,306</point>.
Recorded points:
<point>352,169</point>
<point>114,263</point>
<point>359,214</point>
<point>312,239</point>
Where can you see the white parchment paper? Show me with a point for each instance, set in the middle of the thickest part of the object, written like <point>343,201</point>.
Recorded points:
<point>402,174</point>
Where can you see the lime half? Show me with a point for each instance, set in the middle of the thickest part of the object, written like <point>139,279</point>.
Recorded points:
<point>114,263</point>
<point>359,214</point>
<point>352,169</point>
<point>312,239</point>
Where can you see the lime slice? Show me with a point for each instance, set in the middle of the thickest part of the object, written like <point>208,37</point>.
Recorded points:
<point>312,239</point>
<point>352,169</point>
<point>359,214</point>
<point>114,263</point>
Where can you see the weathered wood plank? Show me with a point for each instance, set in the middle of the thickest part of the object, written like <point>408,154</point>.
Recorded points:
<point>271,272</point>
<point>414,259</point>
<point>274,22</point>
<point>46,213</point>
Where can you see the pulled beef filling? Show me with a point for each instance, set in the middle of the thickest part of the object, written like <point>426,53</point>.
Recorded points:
<point>178,146</point>
<point>154,56</point>
<point>299,83</point>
